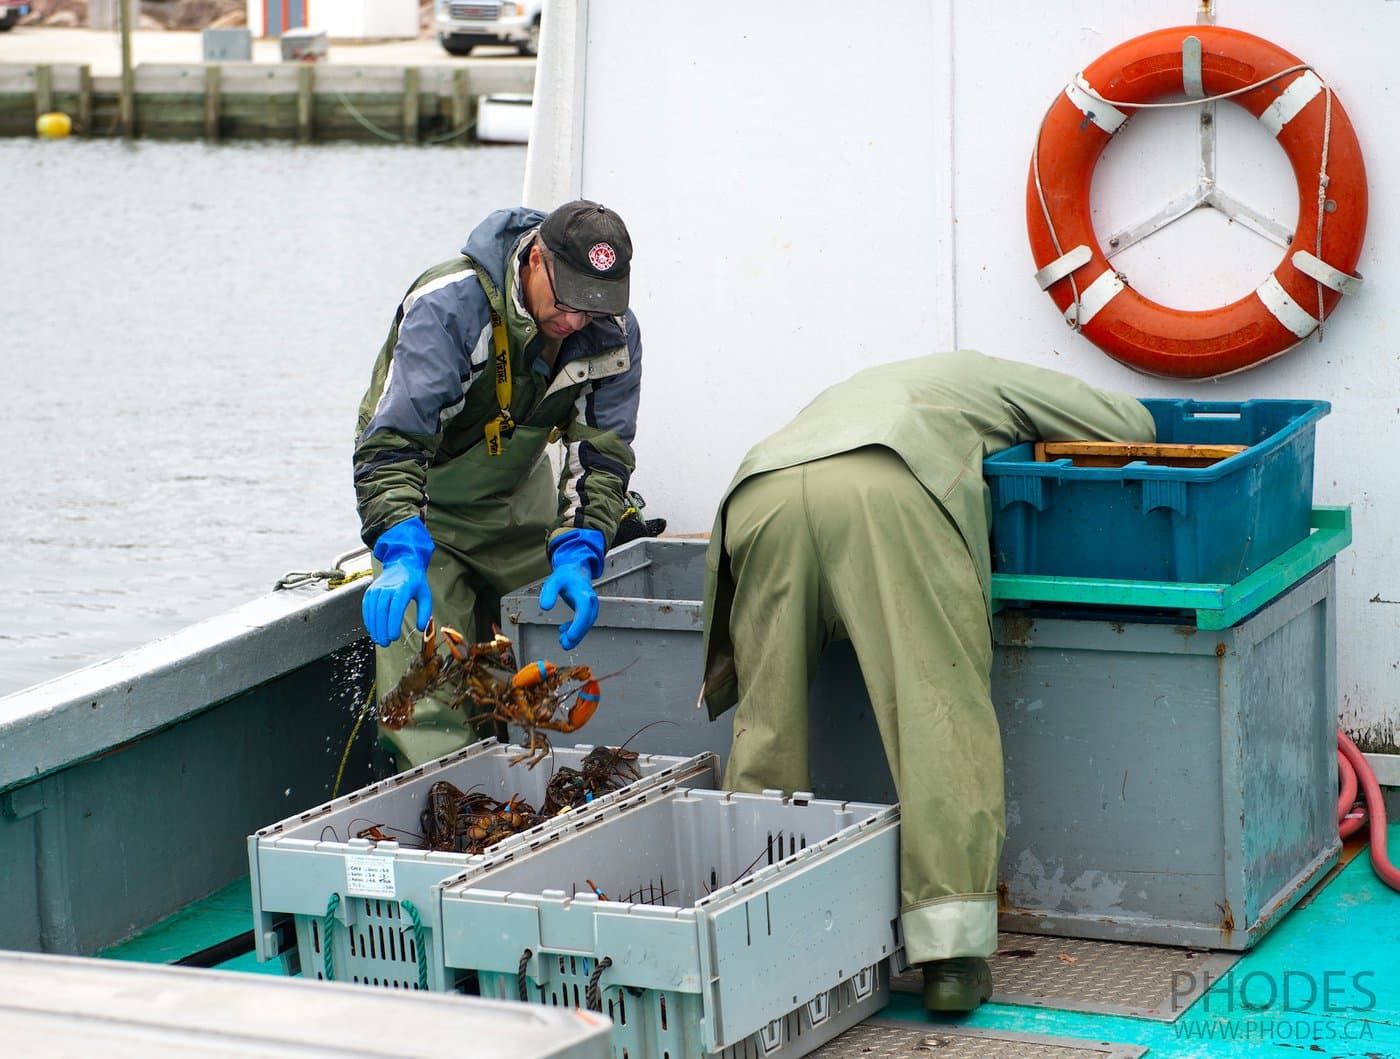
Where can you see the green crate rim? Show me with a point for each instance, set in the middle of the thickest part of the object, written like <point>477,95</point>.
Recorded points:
<point>1216,606</point>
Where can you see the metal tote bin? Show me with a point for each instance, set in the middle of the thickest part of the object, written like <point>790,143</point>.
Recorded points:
<point>1165,783</point>
<point>751,924</point>
<point>648,633</point>
<point>1146,522</point>
<point>361,908</point>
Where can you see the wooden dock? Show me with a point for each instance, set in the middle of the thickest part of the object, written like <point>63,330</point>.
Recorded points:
<point>302,102</point>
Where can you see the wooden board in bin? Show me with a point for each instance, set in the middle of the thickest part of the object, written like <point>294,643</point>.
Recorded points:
<point>1120,453</point>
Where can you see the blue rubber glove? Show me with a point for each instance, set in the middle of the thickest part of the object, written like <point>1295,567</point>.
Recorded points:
<point>577,558</point>
<point>403,549</point>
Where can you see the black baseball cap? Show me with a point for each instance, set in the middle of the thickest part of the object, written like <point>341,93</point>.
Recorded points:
<point>592,256</point>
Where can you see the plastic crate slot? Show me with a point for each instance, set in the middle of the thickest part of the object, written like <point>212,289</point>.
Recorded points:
<point>771,1036</point>
<point>663,1019</point>
<point>863,984</point>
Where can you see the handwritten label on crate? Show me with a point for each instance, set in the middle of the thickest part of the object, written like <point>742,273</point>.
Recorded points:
<point>369,876</point>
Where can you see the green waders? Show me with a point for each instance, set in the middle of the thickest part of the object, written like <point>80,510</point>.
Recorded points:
<point>854,546</point>
<point>489,517</point>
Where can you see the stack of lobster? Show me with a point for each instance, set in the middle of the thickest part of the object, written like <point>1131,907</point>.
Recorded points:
<point>483,678</point>
<point>469,822</point>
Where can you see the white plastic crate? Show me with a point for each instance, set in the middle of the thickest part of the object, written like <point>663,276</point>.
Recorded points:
<point>363,907</point>
<point>729,924</point>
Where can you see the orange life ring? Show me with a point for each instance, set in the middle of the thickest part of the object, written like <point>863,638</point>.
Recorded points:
<point>1311,127</point>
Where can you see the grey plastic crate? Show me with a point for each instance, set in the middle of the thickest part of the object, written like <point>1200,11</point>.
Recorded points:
<point>61,1006</point>
<point>374,897</point>
<point>747,924</point>
<point>1164,783</point>
<point>650,627</point>
<point>650,620</point>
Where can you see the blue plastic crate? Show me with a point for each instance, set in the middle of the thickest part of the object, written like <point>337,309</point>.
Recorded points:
<point>1155,523</point>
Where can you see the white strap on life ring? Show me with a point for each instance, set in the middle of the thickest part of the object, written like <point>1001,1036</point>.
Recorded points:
<point>1284,309</point>
<point>1291,102</point>
<point>1102,113</point>
<point>1316,269</point>
<point>1191,68</point>
<point>1096,295</point>
<point>1063,265</point>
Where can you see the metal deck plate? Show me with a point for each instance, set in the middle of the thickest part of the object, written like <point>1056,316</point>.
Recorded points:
<point>1098,977</point>
<point>888,1039</point>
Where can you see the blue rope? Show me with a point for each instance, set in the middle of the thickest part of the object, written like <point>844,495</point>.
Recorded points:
<point>418,942</point>
<point>328,937</point>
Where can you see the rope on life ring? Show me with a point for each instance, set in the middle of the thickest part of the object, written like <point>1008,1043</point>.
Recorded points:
<point>1207,63</point>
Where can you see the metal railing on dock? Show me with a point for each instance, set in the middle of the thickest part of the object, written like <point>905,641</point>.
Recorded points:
<point>305,102</point>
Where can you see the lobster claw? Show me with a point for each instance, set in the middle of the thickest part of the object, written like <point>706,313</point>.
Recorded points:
<point>534,673</point>
<point>585,705</point>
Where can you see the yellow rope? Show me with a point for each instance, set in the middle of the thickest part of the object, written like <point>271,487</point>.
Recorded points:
<point>364,712</point>
<point>336,582</point>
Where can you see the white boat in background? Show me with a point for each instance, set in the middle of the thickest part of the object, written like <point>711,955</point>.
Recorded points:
<point>504,118</point>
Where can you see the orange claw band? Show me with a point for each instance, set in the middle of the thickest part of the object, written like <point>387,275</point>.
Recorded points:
<point>534,673</point>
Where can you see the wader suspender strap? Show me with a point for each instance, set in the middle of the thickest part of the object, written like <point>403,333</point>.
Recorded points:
<point>500,428</point>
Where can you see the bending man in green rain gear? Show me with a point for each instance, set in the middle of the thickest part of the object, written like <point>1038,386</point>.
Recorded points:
<point>867,518</point>
<point>523,338</point>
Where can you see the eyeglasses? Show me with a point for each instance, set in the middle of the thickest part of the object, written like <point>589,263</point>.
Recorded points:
<point>546,257</point>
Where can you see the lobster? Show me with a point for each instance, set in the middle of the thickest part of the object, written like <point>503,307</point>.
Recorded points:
<point>534,701</point>
<point>485,828</point>
<point>606,768</point>
<point>455,822</point>
<point>476,674</point>
<point>567,789</point>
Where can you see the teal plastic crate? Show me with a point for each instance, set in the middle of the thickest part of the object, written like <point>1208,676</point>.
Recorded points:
<point>1212,606</point>
<point>1140,522</point>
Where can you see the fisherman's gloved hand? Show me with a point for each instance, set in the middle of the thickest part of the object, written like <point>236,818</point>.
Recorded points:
<point>403,549</point>
<point>577,558</point>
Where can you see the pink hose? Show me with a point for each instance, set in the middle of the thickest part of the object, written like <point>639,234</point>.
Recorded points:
<point>1347,797</point>
<point>1350,816</point>
<point>1351,759</point>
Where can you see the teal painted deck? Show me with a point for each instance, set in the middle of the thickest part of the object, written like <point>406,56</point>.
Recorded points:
<point>1324,982</point>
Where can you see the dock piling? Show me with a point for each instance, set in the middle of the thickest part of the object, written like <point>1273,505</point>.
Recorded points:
<point>412,82</point>
<point>213,83</point>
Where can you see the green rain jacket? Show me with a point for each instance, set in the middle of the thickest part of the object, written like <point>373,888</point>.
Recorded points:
<point>420,441</point>
<point>942,415</point>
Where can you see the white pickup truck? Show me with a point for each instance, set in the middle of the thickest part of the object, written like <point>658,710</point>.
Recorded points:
<point>463,24</point>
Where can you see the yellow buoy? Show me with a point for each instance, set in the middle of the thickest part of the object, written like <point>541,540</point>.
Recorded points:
<point>53,126</point>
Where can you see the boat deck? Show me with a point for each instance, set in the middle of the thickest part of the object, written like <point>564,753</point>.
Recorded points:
<point>1325,981</point>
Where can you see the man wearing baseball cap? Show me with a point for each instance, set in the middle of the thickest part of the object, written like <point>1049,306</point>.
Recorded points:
<point>524,338</point>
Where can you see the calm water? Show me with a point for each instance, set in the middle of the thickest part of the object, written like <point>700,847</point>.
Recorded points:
<point>186,333</point>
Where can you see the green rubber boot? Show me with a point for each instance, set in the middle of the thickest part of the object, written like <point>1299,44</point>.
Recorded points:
<point>959,984</point>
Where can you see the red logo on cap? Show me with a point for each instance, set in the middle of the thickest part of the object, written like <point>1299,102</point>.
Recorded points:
<point>602,257</point>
